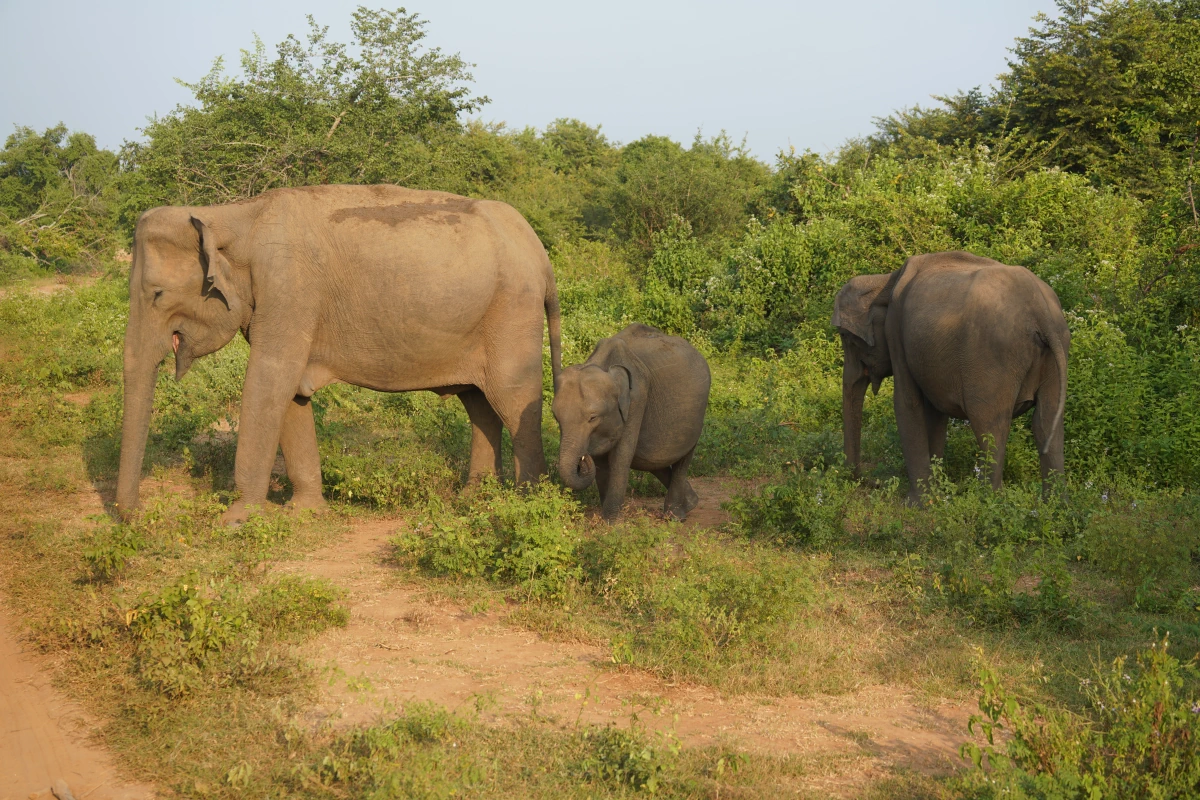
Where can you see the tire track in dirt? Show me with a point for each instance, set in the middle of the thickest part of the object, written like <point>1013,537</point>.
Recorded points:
<point>400,646</point>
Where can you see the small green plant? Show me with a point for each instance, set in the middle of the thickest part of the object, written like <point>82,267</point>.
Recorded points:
<point>184,628</point>
<point>625,757</point>
<point>1149,544</point>
<point>807,509</point>
<point>264,529</point>
<point>694,605</point>
<point>1140,737</point>
<point>296,605</point>
<point>990,585</point>
<point>397,758</point>
<point>111,549</point>
<point>523,537</point>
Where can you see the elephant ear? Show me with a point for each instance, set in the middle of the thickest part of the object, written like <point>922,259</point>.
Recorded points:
<point>859,303</point>
<point>218,276</point>
<point>623,379</point>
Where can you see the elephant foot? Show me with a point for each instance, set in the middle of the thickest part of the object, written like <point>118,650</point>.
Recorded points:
<point>238,513</point>
<point>312,501</point>
<point>680,511</point>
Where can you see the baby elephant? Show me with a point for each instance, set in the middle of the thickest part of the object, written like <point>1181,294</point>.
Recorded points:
<point>638,402</point>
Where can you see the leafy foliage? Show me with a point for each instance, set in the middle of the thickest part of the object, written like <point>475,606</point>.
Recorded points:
<point>523,538</point>
<point>57,192</point>
<point>1141,737</point>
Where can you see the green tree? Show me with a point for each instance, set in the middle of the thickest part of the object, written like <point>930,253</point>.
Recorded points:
<point>711,185</point>
<point>57,190</point>
<point>385,109</point>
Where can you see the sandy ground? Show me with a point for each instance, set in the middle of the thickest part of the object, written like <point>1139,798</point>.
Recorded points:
<point>43,737</point>
<point>402,646</point>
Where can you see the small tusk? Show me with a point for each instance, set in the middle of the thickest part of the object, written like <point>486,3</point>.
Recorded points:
<point>175,342</point>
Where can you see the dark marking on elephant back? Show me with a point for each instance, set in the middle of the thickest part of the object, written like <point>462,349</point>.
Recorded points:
<point>443,213</point>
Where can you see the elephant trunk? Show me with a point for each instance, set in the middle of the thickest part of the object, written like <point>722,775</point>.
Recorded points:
<point>576,467</point>
<point>141,373</point>
<point>854,389</point>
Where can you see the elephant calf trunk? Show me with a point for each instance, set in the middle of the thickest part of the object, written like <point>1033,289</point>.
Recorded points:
<point>577,474</point>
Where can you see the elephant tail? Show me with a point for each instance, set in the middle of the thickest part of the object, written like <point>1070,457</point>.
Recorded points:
<point>554,324</point>
<point>1060,359</point>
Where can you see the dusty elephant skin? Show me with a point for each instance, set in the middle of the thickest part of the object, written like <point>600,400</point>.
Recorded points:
<point>637,402</point>
<point>378,286</point>
<point>965,337</point>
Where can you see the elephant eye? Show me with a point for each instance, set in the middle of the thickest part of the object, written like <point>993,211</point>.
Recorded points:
<point>157,294</point>
<point>593,417</point>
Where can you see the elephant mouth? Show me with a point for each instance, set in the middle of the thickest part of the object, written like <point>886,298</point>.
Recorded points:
<point>176,338</point>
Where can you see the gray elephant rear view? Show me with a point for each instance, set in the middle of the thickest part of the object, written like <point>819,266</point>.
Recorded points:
<point>966,337</point>
<point>378,286</point>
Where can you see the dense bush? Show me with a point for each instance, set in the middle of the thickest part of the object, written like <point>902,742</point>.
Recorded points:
<point>57,195</point>
<point>527,539</point>
<point>1139,739</point>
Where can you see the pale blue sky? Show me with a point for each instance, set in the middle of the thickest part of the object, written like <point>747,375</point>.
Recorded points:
<point>802,73</point>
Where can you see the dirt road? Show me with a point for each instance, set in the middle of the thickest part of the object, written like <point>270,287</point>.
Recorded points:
<point>43,736</point>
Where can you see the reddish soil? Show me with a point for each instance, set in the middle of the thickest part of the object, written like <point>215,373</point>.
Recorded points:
<point>43,737</point>
<point>401,645</point>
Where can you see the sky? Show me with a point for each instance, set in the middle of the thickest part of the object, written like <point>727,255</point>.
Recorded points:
<point>800,74</point>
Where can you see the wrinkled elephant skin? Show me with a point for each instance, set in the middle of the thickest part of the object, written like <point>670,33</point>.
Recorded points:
<point>376,286</point>
<point>964,337</point>
<point>638,402</point>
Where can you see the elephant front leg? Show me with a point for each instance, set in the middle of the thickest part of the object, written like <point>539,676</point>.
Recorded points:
<point>267,395</point>
<point>613,494</point>
<point>298,440</point>
<point>602,472</point>
<point>914,439</point>
<point>935,426</point>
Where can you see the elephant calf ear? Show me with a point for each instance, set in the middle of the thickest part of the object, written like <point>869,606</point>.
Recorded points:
<point>218,276</point>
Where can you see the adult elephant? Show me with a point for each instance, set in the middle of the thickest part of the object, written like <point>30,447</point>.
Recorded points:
<point>965,337</point>
<point>378,286</point>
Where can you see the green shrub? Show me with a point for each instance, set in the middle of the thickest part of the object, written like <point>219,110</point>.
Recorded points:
<point>294,605</point>
<point>395,759</point>
<point>676,279</point>
<point>112,547</point>
<point>624,758</point>
<point>387,476</point>
<point>987,585</point>
<point>1149,543</point>
<point>1139,739</point>
<point>807,509</point>
<point>187,627</point>
<point>694,606</point>
<point>521,537</point>
<point>263,530</point>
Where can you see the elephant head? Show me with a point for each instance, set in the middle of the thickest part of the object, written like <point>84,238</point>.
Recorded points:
<point>187,294</point>
<point>591,404</point>
<point>859,313</point>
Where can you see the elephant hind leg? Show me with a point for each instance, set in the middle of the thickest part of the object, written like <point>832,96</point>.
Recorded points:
<point>519,407</point>
<point>681,497</point>
<point>486,428</point>
<point>935,427</point>
<point>1049,443</point>
<point>298,440</point>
